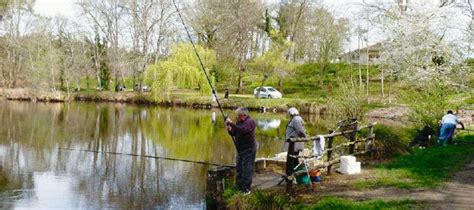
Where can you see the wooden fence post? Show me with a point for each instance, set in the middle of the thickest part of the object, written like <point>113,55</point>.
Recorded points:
<point>352,137</point>
<point>289,166</point>
<point>329,148</point>
<point>216,178</point>
<point>370,137</point>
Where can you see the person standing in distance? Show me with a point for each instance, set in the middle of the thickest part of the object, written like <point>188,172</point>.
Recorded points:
<point>244,132</point>
<point>295,128</point>
<point>448,126</point>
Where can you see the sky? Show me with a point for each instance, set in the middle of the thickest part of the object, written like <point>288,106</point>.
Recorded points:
<point>55,7</point>
<point>340,8</point>
<point>67,9</point>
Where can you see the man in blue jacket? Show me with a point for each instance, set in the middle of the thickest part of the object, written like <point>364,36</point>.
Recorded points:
<point>244,132</point>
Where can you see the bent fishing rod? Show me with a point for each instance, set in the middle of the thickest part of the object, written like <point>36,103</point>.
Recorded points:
<point>214,93</point>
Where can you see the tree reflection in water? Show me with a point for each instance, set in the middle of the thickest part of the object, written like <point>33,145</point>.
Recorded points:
<point>32,155</point>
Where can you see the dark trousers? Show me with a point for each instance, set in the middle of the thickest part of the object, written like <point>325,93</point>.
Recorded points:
<point>244,168</point>
<point>291,162</point>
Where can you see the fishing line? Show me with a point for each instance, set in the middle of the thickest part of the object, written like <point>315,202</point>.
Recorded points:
<point>214,93</point>
<point>147,156</point>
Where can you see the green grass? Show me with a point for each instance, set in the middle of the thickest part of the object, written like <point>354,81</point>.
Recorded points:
<point>268,200</point>
<point>427,168</point>
<point>346,204</point>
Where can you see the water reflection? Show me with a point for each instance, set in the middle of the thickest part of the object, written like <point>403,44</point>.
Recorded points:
<point>268,124</point>
<point>43,163</point>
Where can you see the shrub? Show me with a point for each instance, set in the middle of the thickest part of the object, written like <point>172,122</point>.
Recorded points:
<point>391,141</point>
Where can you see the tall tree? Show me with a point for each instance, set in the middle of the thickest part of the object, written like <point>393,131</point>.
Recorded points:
<point>181,70</point>
<point>106,19</point>
<point>292,21</point>
<point>234,31</point>
<point>147,18</point>
<point>16,17</point>
<point>327,35</point>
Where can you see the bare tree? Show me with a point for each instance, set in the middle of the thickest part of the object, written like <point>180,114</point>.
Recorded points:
<point>147,18</point>
<point>16,20</point>
<point>106,19</point>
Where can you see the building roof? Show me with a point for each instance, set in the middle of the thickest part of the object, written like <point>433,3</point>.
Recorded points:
<point>374,47</point>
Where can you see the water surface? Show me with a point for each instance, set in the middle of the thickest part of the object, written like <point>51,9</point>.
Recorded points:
<point>71,155</point>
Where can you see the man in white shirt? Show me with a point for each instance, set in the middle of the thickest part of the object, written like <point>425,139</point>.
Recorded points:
<point>448,126</point>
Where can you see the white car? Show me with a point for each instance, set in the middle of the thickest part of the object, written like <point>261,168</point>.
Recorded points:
<point>267,92</point>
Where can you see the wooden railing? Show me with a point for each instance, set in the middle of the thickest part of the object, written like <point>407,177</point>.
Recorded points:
<point>331,160</point>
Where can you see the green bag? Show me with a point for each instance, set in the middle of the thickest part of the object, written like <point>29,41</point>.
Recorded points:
<point>302,178</point>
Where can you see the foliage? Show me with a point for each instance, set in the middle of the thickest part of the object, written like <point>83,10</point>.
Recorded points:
<point>316,33</point>
<point>181,70</point>
<point>104,74</point>
<point>327,34</point>
<point>391,141</point>
<point>418,54</point>
<point>347,103</point>
<point>306,81</point>
<point>258,200</point>
<point>273,62</point>
<point>422,168</point>
<point>434,104</point>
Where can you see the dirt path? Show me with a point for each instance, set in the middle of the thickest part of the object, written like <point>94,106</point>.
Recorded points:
<point>458,192</point>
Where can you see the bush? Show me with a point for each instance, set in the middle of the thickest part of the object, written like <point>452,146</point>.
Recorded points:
<point>348,103</point>
<point>392,141</point>
<point>428,105</point>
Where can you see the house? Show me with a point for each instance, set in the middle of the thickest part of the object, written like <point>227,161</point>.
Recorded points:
<point>370,53</point>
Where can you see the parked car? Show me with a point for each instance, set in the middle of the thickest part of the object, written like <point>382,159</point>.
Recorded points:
<point>267,92</point>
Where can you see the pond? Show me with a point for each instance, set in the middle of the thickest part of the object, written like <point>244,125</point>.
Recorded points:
<point>77,155</point>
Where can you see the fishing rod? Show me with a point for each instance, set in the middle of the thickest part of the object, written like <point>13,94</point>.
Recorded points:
<point>147,156</point>
<point>214,93</point>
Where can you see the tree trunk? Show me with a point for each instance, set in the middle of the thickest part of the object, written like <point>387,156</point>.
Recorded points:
<point>265,77</point>
<point>390,88</point>
<point>280,85</point>
<point>241,75</point>
<point>322,67</point>
<point>381,81</point>
<point>367,79</point>
<point>52,66</point>
<point>360,68</point>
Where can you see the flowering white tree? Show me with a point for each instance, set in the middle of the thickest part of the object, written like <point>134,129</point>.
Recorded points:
<point>425,50</point>
<point>425,45</point>
<point>416,50</point>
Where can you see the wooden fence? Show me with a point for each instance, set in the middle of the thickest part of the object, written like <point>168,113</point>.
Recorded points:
<point>350,134</point>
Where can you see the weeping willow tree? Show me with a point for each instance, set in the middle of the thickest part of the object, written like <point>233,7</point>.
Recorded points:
<point>180,70</point>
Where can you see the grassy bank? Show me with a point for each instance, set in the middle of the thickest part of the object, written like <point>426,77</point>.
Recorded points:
<point>420,169</point>
<point>269,200</point>
<point>427,168</point>
<point>185,98</point>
